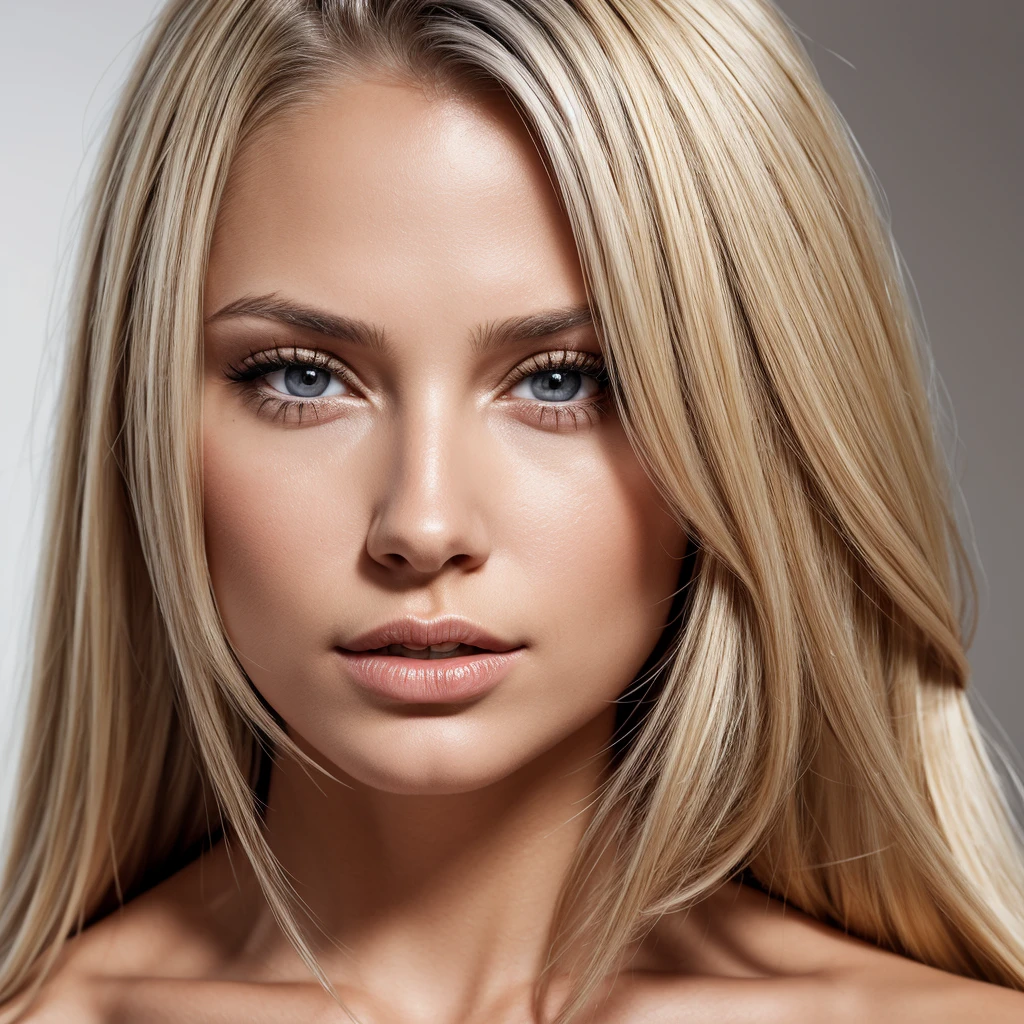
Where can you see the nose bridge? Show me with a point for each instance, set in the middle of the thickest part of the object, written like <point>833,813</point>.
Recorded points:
<point>427,514</point>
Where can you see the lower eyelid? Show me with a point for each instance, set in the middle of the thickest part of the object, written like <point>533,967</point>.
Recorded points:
<point>566,416</point>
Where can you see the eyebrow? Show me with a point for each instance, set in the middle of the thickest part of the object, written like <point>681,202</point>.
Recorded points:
<point>486,338</point>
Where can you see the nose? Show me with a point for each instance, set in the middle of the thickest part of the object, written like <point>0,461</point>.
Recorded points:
<point>429,512</point>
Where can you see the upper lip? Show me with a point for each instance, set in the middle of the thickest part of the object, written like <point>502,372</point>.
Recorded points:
<point>424,632</point>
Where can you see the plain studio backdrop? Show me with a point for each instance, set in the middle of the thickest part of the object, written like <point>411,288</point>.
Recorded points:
<point>931,89</point>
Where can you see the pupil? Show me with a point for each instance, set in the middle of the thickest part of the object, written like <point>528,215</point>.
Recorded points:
<point>306,381</point>
<point>560,384</point>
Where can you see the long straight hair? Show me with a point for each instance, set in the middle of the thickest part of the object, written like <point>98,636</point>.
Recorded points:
<point>810,726</point>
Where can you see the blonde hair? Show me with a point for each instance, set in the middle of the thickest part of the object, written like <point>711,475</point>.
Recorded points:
<point>810,724</point>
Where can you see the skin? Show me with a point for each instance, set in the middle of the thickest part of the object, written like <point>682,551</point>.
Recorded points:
<point>435,854</point>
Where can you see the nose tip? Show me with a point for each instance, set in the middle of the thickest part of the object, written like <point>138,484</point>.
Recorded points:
<point>429,514</point>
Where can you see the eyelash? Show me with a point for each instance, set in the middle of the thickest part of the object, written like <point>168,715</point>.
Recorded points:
<point>564,415</point>
<point>257,365</point>
<point>553,415</point>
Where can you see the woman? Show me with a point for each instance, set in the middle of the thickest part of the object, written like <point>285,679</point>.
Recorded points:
<point>563,339</point>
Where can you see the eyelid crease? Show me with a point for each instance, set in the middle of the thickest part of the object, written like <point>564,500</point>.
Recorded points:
<point>558,359</point>
<point>260,362</point>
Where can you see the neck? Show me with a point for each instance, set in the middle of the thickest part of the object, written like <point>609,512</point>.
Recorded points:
<point>453,894</point>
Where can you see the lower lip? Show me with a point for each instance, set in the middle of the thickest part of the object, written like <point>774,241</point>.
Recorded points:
<point>430,680</point>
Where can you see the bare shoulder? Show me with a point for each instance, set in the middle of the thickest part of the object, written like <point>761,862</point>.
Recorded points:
<point>794,968</point>
<point>173,931</point>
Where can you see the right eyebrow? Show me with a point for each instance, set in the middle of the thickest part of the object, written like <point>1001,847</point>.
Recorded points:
<point>485,339</point>
<point>332,325</point>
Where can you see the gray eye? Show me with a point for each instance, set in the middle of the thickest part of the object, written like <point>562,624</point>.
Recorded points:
<point>305,381</point>
<point>556,386</point>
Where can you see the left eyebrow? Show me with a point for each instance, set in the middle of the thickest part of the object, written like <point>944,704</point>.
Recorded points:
<point>534,325</point>
<point>484,339</point>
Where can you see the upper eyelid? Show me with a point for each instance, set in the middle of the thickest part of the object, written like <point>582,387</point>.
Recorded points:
<point>262,362</point>
<point>560,357</point>
<point>287,355</point>
<point>577,359</point>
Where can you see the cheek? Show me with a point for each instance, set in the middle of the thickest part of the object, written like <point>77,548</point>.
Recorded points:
<point>278,544</point>
<point>606,562</point>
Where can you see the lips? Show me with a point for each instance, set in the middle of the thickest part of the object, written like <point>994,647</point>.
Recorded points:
<point>394,663</point>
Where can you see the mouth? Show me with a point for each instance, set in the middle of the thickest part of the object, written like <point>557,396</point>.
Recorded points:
<point>433,652</point>
<point>447,636</point>
<point>456,674</point>
<point>447,660</point>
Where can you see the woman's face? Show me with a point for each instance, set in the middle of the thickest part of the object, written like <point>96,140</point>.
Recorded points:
<point>386,436</point>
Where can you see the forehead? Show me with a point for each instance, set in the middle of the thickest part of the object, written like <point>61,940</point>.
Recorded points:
<point>377,188</point>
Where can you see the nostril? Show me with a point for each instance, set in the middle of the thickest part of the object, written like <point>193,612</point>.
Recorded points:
<point>417,534</point>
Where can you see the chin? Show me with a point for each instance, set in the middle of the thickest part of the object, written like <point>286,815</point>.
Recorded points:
<point>430,757</point>
<point>441,777</point>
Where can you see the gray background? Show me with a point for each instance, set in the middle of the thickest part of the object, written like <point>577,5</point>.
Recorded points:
<point>931,89</point>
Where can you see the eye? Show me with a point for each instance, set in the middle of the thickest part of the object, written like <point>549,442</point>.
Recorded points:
<point>565,390</point>
<point>303,380</point>
<point>561,385</point>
